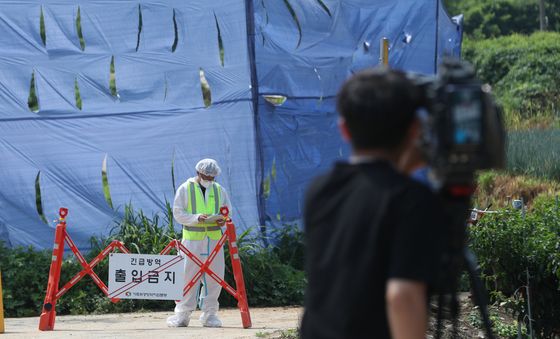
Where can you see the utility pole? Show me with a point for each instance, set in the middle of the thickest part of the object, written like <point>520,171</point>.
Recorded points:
<point>542,18</point>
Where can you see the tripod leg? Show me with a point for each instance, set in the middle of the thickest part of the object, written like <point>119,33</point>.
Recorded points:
<point>479,292</point>
<point>439,322</point>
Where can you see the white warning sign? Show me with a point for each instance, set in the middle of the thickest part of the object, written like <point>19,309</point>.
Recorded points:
<point>146,276</point>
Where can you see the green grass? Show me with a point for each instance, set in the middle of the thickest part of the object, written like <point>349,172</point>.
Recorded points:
<point>79,30</point>
<point>206,91</point>
<point>139,27</point>
<point>32,100</point>
<point>176,40</point>
<point>220,42</point>
<point>112,78</point>
<point>534,152</point>
<point>38,201</point>
<point>296,20</point>
<point>105,183</point>
<point>77,94</point>
<point>142,233</point>
<point>42,29</point>
<point>291,333</point>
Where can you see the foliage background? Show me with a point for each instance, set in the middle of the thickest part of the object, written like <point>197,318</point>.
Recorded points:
<point>273,274</point>
<point>517,249</point>
<point>523,71</point>
<point>494,18</point>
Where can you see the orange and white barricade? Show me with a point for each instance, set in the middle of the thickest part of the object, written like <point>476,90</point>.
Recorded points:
<point>48,314</point>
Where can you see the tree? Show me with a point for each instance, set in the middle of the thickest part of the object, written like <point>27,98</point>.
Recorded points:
<point>493,18</point>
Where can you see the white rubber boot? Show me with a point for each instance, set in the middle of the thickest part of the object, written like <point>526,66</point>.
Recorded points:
<point>210,320</point>
<point>179,319</point>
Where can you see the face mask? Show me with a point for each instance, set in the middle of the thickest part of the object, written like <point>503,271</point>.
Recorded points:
<point>205,183</point>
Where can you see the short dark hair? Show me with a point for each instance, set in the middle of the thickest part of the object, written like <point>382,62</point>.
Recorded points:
<point>378,106</point>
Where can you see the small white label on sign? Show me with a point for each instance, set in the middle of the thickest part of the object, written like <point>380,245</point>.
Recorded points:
<point>146,276</point>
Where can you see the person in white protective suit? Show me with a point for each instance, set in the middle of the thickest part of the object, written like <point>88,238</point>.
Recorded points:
<point>196,206</point>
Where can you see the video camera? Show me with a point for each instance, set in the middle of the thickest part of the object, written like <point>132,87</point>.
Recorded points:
<point>463,130</point>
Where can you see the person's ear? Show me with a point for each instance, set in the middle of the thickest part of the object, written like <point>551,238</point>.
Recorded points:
<point>414,131</point>
<point>411,156</point>
<point>344,131</point>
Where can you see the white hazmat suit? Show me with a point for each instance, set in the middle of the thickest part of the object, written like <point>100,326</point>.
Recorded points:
<point>202,247</point>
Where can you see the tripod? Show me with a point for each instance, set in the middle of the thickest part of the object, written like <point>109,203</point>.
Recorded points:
<point>459,256</point>
<point>478,290</point>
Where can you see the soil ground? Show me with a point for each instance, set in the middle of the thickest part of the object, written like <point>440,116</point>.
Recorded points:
<point>266,323</point>
<point>465,326</point>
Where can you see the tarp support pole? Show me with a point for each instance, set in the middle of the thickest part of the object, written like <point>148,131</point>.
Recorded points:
<point>384,52</point>
<point>259,155</point>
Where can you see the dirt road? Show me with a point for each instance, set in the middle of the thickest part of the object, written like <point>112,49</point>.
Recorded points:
<point>152,325</point>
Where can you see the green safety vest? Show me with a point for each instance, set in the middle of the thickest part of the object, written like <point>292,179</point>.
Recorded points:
<point>198,205</point>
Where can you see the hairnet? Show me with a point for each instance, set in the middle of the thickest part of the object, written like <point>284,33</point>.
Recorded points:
<point>208,167</point>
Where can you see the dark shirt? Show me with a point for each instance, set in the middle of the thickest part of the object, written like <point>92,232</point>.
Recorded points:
<point>365,224</point>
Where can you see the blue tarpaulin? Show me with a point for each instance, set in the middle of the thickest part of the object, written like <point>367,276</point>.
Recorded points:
<point>151,128</point>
